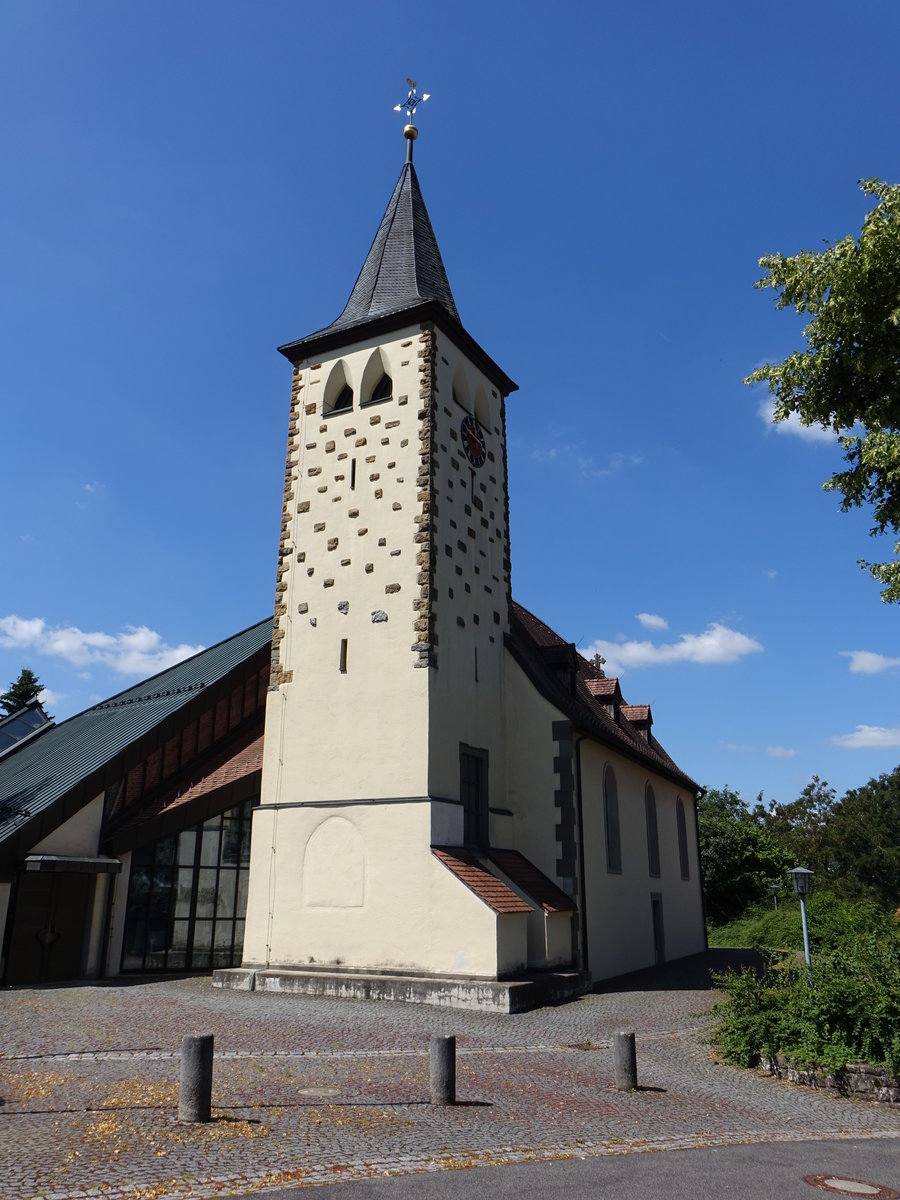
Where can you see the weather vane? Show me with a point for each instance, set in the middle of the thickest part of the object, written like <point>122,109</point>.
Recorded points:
<point>413,100</point>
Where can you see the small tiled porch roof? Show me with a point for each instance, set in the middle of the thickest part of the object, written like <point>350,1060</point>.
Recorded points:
<point>531,881</point>
<point>472,870</point>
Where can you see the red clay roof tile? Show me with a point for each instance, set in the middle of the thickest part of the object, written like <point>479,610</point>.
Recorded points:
<point>534,883</point>
<point>471,869</point>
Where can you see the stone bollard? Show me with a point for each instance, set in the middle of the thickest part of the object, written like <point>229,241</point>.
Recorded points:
<point>625,1062</point>
<point>195,1097</point>
<point>443,1069</point>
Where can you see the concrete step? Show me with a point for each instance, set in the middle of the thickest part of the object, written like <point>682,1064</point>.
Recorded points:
<point>448,991</point>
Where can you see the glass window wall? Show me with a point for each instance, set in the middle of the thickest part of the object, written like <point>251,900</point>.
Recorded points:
<point>187,897</point>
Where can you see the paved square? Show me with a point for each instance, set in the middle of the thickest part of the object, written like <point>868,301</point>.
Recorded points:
<point>308,1090</point>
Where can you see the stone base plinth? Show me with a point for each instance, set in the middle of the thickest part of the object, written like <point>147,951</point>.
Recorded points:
<point>485,995</point>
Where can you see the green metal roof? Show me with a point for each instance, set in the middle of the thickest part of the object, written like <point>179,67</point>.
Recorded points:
<point>48,778</point>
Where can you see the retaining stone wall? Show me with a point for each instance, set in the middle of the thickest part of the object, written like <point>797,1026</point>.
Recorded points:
<point>860,1080</point>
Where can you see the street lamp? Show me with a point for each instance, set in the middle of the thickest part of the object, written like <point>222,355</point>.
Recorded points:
<point>774,888</point>
<point>801,877</point>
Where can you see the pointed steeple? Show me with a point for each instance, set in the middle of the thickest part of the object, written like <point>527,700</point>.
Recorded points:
<point>403,268</point>
<point>402,281</point>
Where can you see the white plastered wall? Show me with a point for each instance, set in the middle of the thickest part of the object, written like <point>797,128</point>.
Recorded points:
<point>357,886</point>
<point>532,781</point>
<point>116,929</point>
<point>352,576</point>
<point>78,836</point>
<point>619,912</point>
<point>471,577</point>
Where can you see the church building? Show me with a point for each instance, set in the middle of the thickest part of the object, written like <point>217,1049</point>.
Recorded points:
<point>448,802</point>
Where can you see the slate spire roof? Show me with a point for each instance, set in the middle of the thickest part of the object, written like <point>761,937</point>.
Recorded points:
<point>402,282</point>
<point>404,266</point>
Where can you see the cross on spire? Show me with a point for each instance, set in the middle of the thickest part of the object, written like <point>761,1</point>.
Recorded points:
<point>413,100</point>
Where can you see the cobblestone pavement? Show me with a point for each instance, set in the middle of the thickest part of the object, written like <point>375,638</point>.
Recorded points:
<point>307,1091</point>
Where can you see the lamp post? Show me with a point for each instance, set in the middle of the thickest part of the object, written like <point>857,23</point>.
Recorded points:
<point>801,877</point>
<point>773,888</point>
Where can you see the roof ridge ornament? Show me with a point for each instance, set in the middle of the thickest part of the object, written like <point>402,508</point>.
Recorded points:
<point>413,100</point>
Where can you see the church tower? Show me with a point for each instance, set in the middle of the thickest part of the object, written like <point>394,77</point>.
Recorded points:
<point>384,735</point>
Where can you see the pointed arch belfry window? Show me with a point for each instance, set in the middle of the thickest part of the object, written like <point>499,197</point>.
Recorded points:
<point>344,399</point>
<point>383,389</point>
<point>377,384</point>
<point>338,392</point>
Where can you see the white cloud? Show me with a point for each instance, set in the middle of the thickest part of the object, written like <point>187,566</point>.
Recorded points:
<point>17,631</point>
<point>739,747</point>
<point>875,737</point>
<point>49,698</point>
<point>652,621</point>
<point>91,488</point>
<point>137,651</point>
<point>793,424</point>
<point>583,462</point>
<point>780,752</point>
<point>867,662</point>
<point>717,644</point>
<point>771,573</point>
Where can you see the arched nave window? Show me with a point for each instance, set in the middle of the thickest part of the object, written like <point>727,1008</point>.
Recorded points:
<point>611,822</point>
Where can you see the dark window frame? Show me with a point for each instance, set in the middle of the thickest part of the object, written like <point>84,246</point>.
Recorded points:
<point>681,827</point>
<point>650,812</point>
<point>474,795</point>
<point>611,825</point>
<point>160,870</point>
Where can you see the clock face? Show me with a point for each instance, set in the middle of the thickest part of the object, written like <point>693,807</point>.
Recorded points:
<point>473,443</point>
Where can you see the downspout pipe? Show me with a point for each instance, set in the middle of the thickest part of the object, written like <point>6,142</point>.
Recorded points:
<point>699,796</point>
<point>582,924</point>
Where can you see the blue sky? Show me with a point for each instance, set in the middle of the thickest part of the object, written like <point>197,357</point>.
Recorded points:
<point>189,186</point>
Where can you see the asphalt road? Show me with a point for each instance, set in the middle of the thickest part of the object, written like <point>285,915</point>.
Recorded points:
<point>770,1171</point>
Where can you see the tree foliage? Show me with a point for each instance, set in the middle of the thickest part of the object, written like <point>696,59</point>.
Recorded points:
<point>848,377</point>
<point>740,857</point>
<point>852,844</point>
<point>802,827</point>
<point>21,691</point>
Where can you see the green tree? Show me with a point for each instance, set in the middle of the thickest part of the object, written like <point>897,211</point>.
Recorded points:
<point>21,691</point>
<point>848,378</point>
<point>852,844</point>
<point>740,857</point>
<point>864,841</point>
<point>802,828</point>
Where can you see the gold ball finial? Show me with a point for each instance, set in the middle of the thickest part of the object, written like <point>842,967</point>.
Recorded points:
<point>410,131</point>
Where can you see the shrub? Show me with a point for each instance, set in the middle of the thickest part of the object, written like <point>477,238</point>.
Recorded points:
<point>850,1011</point>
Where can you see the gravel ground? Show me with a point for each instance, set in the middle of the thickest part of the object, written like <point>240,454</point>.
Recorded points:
<point>307,1091</point>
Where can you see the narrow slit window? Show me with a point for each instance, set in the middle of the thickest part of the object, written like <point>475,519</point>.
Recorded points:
<point>352,474</point>
<point>343,659</point>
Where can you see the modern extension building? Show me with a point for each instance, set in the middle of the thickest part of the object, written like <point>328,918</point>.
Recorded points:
<point>448,801</point>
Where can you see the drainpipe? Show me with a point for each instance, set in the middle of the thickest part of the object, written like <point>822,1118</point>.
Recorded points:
<point>702,881</point>
<point>582,925</point>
